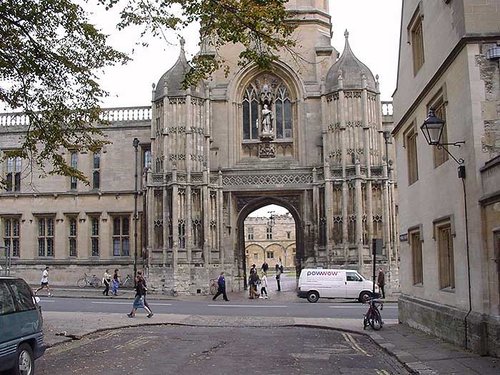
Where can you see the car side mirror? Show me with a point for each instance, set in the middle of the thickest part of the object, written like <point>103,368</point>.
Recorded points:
<point>37,299</point>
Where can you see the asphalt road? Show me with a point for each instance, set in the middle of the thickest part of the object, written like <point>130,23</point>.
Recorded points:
<point>205,350</point>
<point>205,306</point>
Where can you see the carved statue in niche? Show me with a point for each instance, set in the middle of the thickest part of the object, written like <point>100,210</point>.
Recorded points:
<point>267,118</point>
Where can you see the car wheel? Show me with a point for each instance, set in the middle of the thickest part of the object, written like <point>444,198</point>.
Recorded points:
<point>364,297</point>
<point>25,363</point>
<point>313,297</point>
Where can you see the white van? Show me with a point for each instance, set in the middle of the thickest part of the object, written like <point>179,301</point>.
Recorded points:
<point>330,283</point>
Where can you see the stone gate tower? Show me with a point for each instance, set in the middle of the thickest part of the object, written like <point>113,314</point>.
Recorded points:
<point>305,134</point>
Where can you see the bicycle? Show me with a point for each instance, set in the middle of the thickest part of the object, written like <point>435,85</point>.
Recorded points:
<point>86,280</point>
<point>126,282</point>
<point>372,317</point>
<point>214,286</point>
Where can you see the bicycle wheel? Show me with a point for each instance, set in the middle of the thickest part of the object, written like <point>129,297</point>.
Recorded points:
<point>213,289</point>
<point>82,282</point>
<point>96,283</point>
<point>376,320</point>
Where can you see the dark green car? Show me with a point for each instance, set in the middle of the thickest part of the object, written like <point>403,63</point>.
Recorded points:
<point>21,335</point>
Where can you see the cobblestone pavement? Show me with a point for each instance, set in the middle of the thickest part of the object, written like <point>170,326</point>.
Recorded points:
<point>216,350</point>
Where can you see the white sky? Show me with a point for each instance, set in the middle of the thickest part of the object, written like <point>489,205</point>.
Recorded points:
<point>373,27</point>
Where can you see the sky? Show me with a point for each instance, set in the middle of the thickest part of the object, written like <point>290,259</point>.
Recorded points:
<point>373,27</point>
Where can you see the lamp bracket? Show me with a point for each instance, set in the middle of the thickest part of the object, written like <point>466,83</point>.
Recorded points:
<point>457,144</point>
<point>459,161</point>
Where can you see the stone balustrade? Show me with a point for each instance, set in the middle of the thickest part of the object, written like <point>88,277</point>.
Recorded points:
<point>109,114</point>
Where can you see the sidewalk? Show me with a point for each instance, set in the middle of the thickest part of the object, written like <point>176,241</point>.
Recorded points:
<point>419,352</point>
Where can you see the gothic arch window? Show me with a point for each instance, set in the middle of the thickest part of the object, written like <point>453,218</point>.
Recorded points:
<point>283,106</point>
<point>267,93</point>
<point>250,114</point>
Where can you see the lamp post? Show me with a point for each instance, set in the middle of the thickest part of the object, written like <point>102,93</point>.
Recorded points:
<point>271,221</point>
<point>432,128</point>
<point>135,143</point>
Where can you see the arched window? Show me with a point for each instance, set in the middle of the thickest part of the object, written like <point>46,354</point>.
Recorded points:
<point>267,90</point>
<point>250,114</point>
<point>283,114</point>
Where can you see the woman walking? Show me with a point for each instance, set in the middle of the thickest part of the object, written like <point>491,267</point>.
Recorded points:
<point>106,280</point>
<point>140,293</point>
<point>116,283</point>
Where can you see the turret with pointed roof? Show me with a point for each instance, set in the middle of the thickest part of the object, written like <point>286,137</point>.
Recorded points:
<point>349,73</point>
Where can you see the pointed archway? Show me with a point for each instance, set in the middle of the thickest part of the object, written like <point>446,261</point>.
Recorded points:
<point>249,207</point>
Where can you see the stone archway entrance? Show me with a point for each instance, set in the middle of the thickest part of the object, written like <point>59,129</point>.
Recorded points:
<point>248,204</point>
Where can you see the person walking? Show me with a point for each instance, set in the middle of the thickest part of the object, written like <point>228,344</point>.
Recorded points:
<point>145,290</point>
<point>221,283</point>
<point>381,282</point>
<point>263,286</point>
<point>140,292</point>
<point>279,271</point>
<point>106,280</point>
<point>44,282</point>
<point>115,283</point>
<point>253,269</point>
<point>253,281</point>
<point>264,267</point>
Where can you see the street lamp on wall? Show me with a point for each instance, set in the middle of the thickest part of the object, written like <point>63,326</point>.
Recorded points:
<point>135,143</point>
<point>432,129</point>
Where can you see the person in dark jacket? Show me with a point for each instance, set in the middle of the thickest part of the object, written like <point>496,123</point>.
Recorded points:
<point>381,281</point>
<point>221,283</point>
<point>140,295</point>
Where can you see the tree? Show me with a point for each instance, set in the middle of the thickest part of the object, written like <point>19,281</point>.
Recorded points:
<point>51,55</point>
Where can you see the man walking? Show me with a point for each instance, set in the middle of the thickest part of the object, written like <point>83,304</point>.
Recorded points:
<point>279,271</point>
<point>44,282</point>
<point>221,283</point>
<point>381,282</point>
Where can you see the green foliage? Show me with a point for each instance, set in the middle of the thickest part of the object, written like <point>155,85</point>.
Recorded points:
<point>51,55</point>
<point>261,27</point>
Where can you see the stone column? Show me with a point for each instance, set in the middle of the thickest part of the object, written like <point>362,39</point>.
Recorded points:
<point>358,196</point>
<point>366,147</point>
<point>205,200</point>
<point>175,219</point>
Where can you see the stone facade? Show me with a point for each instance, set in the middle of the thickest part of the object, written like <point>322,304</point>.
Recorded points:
<point>449,225</point>
<point>212,154</point>
<point>273,241</point>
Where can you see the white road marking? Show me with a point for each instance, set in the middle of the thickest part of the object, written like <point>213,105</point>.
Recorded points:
<point>259,306</point>
<point>128,303</point>
<point>47,300</point>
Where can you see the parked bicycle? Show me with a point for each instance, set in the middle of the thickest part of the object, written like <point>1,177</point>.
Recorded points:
<point>87,280</point>
<point>127,282</point>
<point>214,286</point>
<point>372,317</point>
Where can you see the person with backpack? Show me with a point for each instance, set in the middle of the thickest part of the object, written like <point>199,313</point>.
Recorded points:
<point>221,283</point>
<point>253,280</point>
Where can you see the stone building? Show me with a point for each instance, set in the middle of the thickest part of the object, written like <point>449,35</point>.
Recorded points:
<point>270,239</point>
<point>449,224</point>
<point>306,135</point>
